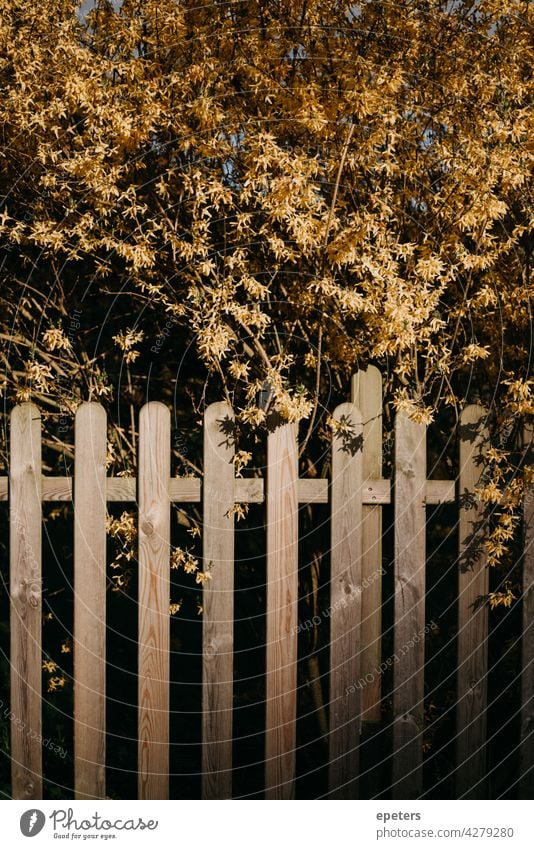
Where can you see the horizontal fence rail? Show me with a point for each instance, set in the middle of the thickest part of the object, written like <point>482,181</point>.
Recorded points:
<point>355,493</point>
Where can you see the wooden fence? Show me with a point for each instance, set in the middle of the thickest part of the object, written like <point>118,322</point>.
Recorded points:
<point>356,494</point>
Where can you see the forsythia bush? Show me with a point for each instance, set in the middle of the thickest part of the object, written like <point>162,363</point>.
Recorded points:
<point>268,193</point>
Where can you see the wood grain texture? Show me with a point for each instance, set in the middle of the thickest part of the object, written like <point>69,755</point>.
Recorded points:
<point>527,666</point>
<point>409,627</point>
<point>440,492</point>
<point>282,594</point>
<point>218,603</point>
<point>472,617</point>
<point>180,489</point>
<point>56,488</point>
<point>310,490</point>
<point>250,490</point>
<point>154,592</point>
<point>25,521</point>
<point>184,489</point>
<point>121,489</point>
<point>90,602</point>
<point>313,490</point>
<point>345,607</point>
<point>367,395</point>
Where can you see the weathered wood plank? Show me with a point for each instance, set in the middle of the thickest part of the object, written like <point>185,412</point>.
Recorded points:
<point>154,591</point>
<point>121,489</point>
<point>90,602</point>
<point>249,490</point>
<point>180,489</point>
<point>310,490</point>
<point>56,488</point>
<point>52,488</point>
<point>25,520</point>
<point>367,395</point>
<point>440,492</point>
<point>472,668</point>
<point>313,490</point>
<point>527,666</point>
<point>345,607</point>
<point>409,627</point>
<point>282,595</point>
<point>218,604</point>
<point>184,489</point>
<point>374,493</point>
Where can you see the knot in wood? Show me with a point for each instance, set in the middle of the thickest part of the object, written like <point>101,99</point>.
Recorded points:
<point>30,591</point>
<point>34,597</point>
<point>148,528</point>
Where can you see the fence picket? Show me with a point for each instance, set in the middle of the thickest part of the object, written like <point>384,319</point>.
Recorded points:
<point>367,395</point>
<point>26,607</point>
<point>90,602</point>
<point>154,589</point>
<point>408,669</point>
<point>345,605</point>
<point>527,667</point>
<point>282,594</point>
<point>218,602</point>
<point>473,583</point>
<point>356,493</point>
